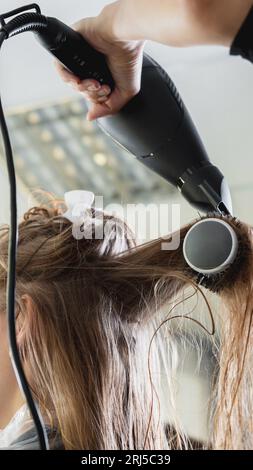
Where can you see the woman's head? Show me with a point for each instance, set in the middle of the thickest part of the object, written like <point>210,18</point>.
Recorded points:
<point>81,340</point>
<point>86,316</point>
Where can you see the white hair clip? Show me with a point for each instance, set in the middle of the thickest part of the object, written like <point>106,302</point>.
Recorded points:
<point>79,205</point>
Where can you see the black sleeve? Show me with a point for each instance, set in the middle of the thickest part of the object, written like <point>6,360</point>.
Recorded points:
<point>243,43</point>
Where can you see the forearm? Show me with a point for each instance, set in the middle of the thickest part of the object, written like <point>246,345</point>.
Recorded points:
<point>148,19</point>
<point>121,29</point>
<point>180,22</point>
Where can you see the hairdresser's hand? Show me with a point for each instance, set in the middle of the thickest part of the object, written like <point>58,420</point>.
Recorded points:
<point>124,60</point>
<point>123,26</point>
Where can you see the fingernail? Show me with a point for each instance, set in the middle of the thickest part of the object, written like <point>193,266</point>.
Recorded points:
<point>94,87</point>
<point>102,99</point>
<point>103,92</point>
<point>107,89</point>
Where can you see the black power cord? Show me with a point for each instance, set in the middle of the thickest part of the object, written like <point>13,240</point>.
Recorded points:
<point>11,283</point>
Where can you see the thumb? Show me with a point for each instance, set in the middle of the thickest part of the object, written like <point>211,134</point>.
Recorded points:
<point>110,107</point>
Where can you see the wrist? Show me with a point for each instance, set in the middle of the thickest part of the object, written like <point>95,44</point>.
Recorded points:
<point>109,22</point>
<point>112,26</point>
<point>120,20</point>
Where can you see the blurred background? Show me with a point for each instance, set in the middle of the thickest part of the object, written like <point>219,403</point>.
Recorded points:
<point>56,149</point>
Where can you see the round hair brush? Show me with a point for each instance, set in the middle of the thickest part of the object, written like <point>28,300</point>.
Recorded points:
<point>217,250</point>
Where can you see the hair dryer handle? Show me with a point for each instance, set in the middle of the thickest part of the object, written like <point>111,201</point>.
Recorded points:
<point>74,52</point>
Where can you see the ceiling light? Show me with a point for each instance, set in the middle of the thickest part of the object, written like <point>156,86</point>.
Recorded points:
<point>100,159</point>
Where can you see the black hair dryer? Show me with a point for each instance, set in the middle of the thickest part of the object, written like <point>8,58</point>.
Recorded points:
<point>154,126</point>
<point>157,128</point>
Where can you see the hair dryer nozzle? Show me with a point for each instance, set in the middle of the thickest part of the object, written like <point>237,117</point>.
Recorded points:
<point>206,189</point>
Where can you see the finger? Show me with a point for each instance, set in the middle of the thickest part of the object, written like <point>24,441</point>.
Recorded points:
<point>112,105</point>
<point>117,100</point>
<point>93,87</point>
<point>97,111</point>
<point>103,99</point>
<point>90,85</point>
<point>104,91</point>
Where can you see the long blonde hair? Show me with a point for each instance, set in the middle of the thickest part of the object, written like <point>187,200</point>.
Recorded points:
<point>88,341</point>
